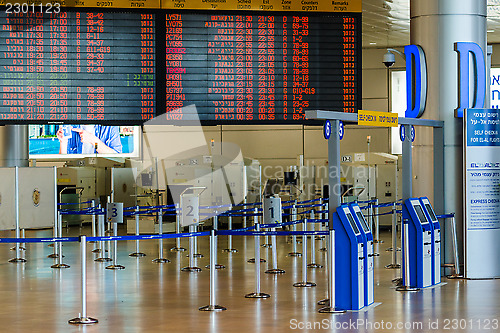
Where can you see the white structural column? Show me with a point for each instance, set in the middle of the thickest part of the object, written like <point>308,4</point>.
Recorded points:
<point>14,146</point>
<point>436,25</point>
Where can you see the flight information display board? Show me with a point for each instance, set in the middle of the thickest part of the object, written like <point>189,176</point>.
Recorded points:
<point>72,66</point>
<point>261,68</point>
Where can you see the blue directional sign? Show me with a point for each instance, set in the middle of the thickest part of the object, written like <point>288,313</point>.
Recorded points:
<point>327,129</point>
<point>341,130</point>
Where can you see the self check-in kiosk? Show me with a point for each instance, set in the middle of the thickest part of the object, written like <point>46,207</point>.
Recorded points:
<point>368,251</point>
<point>349,261</point>
<point>436,240</point>
<point>420,244</point>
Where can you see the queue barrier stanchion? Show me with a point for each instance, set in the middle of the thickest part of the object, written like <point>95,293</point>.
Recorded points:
<point>103,257</point>
<point>294,252</point>
<point>94,234</point>
<point>192,261</point>
<point>256,224</point>
<point>59,245</point>
<point>160,259</point>
<point>215,225</point>
<point>55,232</point>
<point>324,248</point>
<point>257,293</point>
<point>377,224</point>
<point>115,265</point>
<point>274,253</point>
<point>394,234</point>
<point>213,282</point>
<point>330,301</point>
<point>313,263</point>
<point>230,248</point>
<point>137,253</point>
<point>99,247</point>
<point>304,283</point>
<point>178,247</point>
<point>456,264</point>
<point>83,319</point>
<point>22,246</point>
<point>406,261</point>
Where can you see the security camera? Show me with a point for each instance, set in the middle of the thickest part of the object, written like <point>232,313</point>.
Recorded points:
<point>389,59</point>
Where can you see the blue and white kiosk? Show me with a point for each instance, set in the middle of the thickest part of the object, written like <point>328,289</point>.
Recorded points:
<point>420,244</point>
<point>436,240</point>
<point>368,251</point>
<point>349,261</point>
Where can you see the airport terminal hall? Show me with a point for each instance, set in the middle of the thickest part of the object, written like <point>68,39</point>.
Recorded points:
<point>250,166</point>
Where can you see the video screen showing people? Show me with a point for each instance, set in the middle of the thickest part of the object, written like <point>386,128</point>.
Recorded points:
<point>64,140</point>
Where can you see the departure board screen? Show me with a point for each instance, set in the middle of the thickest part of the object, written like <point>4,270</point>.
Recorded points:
<point>77,67</point>
<point>241,67</point>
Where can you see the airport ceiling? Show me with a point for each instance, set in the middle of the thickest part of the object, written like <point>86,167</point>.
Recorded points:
<point>386,23</point>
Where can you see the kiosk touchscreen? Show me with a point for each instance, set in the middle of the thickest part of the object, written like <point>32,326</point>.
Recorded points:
<point>420,244</point>
<point>368,251</point>
<point>349,261</point>
<point>436,240</point>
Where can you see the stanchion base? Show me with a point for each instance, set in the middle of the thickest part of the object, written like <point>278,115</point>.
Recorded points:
<point>378,241</point>
<point>304,284</point>
<point>103,259</point>
<point>376,254</point>
<point>54,255</point>
<point>17,260</point>
<point>328,309</point>
<point>313,265</point>
<point>115,267</point>
<point>230,250</point>
<point>177,249</point>
<point>191,269</point>
<point>137,254</point>
<point>323,249</point>
<point>20,248</point>
<point>325,302</point>
<point>406,288</point>
<point>295,254</point>
<point>83,321</point>
<point>398,281</point>
<point>161,260</point>
<point>267,245</point>
<point>257,295</point>
<point>92,242</point>
<point>393,266</point>
<point>217,266</point>
<point>96,251</point>
<point>319,237</point>
<point>59,266</point>
<point>275,271</point>
<point>213,308</point>
<point>252,260</point>
<point>455,277</point>
<point>51,245</point>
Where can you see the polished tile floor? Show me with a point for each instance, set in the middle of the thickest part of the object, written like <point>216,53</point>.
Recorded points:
<point>150,297</point>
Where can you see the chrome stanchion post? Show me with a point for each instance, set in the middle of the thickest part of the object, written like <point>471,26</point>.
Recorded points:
<point>59,246</point>
<point>304,282</point>
<point>100,219</point>
<point>456,264</point>
<point>215,226</point>
<point>257,293</point>
<point>192,264</point>
<point>160,258</point>
<point>115,265</point>
<point>213,283</point>
<point>274,249</point>
<point>256,224</point>
<point>230,237</point>
<point>92,205</point>
<point>324,249</point>
<point>394,233</point>
<point>137,252</point>
<point>330,301</point>
<point>18,257</point>
<point>99,228</point>
<point>377,224</point>
<point>178,247</point>
<point>294,252</point>
<point>313,263</point>
<point>83,319</point>
<point>406,261</point>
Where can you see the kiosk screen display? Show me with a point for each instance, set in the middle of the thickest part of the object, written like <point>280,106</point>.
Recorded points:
<point>364,224</point>
<point>353,223</point>
<point>430,211</point>
<point>420,214</point>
